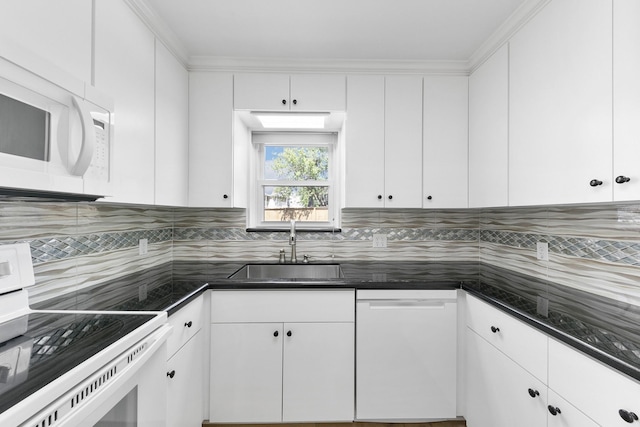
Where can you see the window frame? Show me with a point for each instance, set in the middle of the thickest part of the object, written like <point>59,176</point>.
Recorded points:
<point>260,140</point>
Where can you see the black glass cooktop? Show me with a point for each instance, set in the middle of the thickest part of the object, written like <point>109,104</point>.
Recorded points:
<point>41,347</point>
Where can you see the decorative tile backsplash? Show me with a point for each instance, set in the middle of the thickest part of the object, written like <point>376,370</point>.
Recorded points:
<point>75,245</point>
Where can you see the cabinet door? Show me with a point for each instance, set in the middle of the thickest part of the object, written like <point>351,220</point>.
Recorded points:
<point>445,142</point>
<point>261,92</point>
<point>184,383</point>
<point>593,388</point>
<point>489,132</point>
<point>59,31</point>
<point>560,105</point>
<point>498,390</point>
<point>172,130</point>
<point>626,99</point>
<point>125,70</point>
<point>318,92</point>
<point>246,372</point>
<point>566,415</point>
<point>318,377</point>
<point>406,359</point>
<point>519,341</point>
<point>403,142</point>
<point>364,146</point>
<point>210,139</point>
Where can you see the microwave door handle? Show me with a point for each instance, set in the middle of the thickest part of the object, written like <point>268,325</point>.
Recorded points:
<point>88,139</point>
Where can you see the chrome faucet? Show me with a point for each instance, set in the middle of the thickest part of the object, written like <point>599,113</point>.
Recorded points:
<point>292,242</point>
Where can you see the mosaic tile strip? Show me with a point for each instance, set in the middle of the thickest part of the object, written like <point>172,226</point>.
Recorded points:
<point>596,249</point>
<point>393,234</point>
<point>57,248</point>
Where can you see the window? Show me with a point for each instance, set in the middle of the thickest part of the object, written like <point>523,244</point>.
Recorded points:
<point>294,179</point>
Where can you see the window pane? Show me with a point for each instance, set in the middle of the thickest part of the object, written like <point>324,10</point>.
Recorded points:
<point>296,163</point>
<point>282,203</point>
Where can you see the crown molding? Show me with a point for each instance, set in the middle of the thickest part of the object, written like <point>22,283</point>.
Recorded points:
<point>300,65</point>
<point>503,34</point>
<point>308,65</point>
<point>160,29</point>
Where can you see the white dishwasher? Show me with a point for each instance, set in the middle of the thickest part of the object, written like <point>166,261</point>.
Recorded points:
<point>406,360</point>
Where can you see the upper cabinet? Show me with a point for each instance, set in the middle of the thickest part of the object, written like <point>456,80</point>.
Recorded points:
<point>489,132</point>
<point>125,70</point>
<point>59,31</point>
<point>211,139</point>
<point>560,105</point>
<point>283,92</point>
<point>383,145</point>
<point>364,146</point>
<point>445,142</point>
<point>172,129</point>
<point>626,100</point>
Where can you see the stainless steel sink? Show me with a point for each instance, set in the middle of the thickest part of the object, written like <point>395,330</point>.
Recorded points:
<point>288,271</point>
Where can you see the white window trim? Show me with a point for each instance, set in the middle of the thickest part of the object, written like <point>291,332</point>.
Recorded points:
<point>311,139</point>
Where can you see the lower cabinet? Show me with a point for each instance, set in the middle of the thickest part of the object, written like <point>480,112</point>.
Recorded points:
<point>185,366</point>
<point>297,365</point>
<point>502,389</point>
<point>184,384</point>
<point>499,392</point>
<point>563,414</point>
<point>602,393</point>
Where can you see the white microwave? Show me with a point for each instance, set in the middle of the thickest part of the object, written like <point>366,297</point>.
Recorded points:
<point>53,139</point>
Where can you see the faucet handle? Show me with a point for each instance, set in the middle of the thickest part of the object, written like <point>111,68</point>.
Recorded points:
<point>305,259</point>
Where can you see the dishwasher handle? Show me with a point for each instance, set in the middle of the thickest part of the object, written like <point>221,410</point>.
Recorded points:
<point>406,304</point>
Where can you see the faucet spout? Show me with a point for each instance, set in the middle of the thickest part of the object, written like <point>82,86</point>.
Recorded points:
<point>292,242</point>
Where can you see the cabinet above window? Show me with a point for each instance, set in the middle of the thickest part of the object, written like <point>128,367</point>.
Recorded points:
<point>284,92</point>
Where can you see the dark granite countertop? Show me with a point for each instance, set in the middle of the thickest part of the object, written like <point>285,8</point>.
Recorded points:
<point>600,327</point>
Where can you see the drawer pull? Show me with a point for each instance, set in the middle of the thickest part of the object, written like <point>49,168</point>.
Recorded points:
<point>289,333</point>
<point>534,393</point>
<point>554,410</point>
<point>275,334</point>
<point>495,329</point>
<point>188,324</point>
<point>628,416</point>
<point>171,374</point>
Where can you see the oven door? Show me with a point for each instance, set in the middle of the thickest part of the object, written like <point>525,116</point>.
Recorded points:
<point>128,392</point>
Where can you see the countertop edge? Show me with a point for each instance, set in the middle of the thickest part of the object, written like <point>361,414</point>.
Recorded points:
<point>607,359</point>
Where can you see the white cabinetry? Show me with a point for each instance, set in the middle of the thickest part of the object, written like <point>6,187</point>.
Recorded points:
<point>516,375</point>
<point>384,142</point>
<point>211,139</point>
<point>445,139</point>
<point>560,105</point>
<point>406,354</point>
<point>281,92</point>
<point>282,356</point>
<point>172,130</point>
<point>364,147</point>
<point>185,349</point>
<point>497,392</point>
<point>489,132</point>
<point>595,388</point>
<point>59,31</point>
<point>125,70</point>
<point>626,99</point>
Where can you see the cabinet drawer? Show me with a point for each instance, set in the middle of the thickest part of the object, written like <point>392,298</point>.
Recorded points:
<point>283,306</point>
<point>567,415</point>
<point>594,388</point>
<point>522,343</point>
<point>186,323</point>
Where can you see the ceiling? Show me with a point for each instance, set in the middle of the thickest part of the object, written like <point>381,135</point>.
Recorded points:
<point>354,30</point>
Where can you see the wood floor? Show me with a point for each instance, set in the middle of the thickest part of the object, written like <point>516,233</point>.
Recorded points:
<point>453,423</point>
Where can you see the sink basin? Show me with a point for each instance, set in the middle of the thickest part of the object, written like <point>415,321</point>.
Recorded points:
<point>288,271</point>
